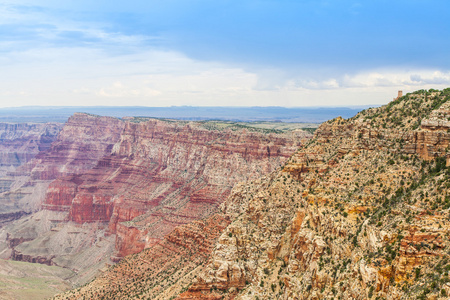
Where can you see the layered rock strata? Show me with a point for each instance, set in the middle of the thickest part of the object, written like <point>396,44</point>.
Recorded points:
<point>150,273</point>
<point>82,142</point>
<point>141,178</point>
<point>359,213</point>
<point>19,144</point>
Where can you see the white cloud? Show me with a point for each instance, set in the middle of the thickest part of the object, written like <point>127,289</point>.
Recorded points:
<point>436,77</point>
<point>81,76</point>
<point>120,69</point>
<point>372,79</point>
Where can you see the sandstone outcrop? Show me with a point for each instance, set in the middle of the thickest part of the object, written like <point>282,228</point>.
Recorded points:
<point>128,183</point>
<point>150,274</point>
<point>82,142</point>
<point>160,175</point>
<point>359,213</point>
<point>19,143</point>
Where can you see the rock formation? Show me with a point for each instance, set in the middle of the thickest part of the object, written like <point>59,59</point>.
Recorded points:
<point>360,212</point>
<point>82,142</point>
<point>19,144</point>
<point>150,273</point>
<point>126,184</point>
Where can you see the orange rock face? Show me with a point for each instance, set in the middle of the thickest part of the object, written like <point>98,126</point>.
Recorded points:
<point>412,254</point>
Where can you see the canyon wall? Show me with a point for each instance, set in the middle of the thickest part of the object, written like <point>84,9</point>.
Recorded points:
<point>83,140</point>
<point>160,175</point>
<point>360,212</point>
<point>128,183</point>
<point>19,144</point>
<point>357,214</point>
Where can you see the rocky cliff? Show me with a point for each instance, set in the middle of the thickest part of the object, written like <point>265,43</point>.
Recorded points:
<point>19,144</point>
<point>360,212</point>
<point>151,272</point>
<point>82,142</point>
<point>134,181</point>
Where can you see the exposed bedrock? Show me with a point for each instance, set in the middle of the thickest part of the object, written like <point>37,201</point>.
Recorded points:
<point>108,187</point>
<point>19,144</point>
<point>141,178</point>
<point>83,140</point>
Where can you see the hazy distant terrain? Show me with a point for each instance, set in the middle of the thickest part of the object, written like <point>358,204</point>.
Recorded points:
<point>246,114</point>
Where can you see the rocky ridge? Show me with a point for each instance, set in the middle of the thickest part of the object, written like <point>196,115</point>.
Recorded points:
<point>360,212</point>
<point>119,186</point>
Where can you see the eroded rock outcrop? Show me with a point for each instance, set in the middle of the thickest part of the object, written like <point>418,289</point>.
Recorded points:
<point>359,213</point>
<point>133,181</point>
<point>82,142</point>
<point>19,144</point>
<point>150,273</point>
<point>160,175</point>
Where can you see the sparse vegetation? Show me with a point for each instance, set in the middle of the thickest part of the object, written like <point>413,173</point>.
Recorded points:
<point>363,207</point>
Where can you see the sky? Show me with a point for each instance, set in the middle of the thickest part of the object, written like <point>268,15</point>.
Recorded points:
<point>290,53</point>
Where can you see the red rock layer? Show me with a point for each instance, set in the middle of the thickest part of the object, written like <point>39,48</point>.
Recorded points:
<point>164,173</point>
<point>149,273</point>
<point>19,143</point>
<point>80,144</point>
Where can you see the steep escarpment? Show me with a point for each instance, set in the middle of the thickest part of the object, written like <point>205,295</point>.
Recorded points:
<point>122,185</point>
<point>361,212</point>
<point>20,143</point>
<point>150,274</point>
<point>161,174</point>
<point>79,145</point>
<point>82,142</point>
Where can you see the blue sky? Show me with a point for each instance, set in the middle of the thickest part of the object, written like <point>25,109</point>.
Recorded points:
<point>265,53</point>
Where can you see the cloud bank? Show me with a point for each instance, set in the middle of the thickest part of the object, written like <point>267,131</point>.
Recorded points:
<point>286,53</point>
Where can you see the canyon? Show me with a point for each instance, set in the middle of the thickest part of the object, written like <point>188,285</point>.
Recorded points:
<point>160,209</point>
<point>112,187</point>
<point>361,211</point>
<point>19,144</point>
